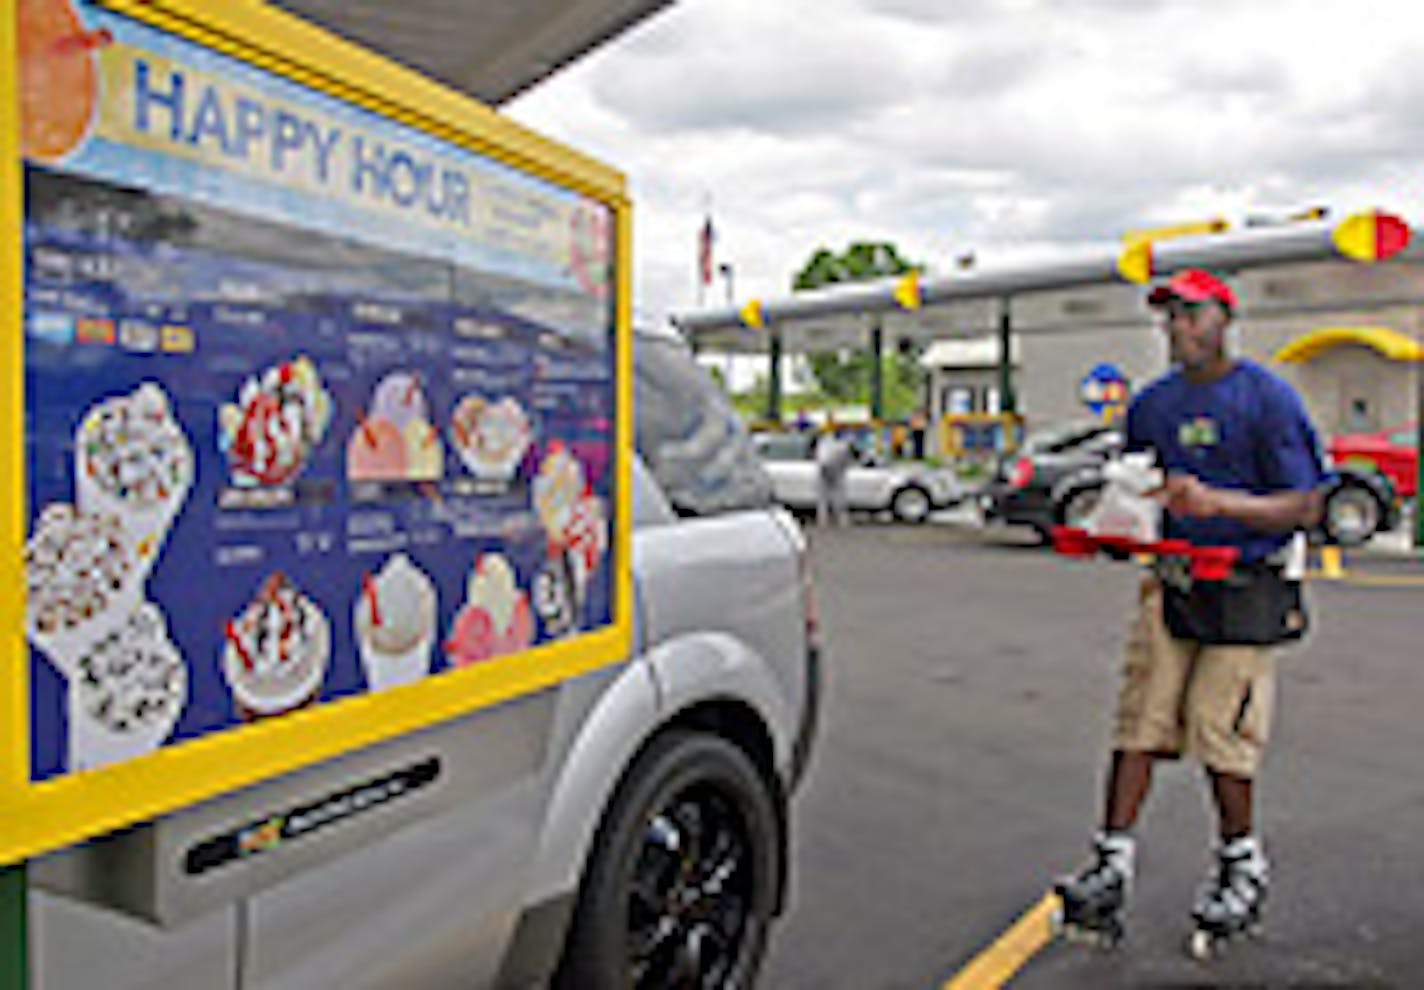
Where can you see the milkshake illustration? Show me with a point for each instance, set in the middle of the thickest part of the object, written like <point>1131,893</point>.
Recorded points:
<point>83,580</point>
<point>395,440</point>
<point>576,527</point>
<point>133,462</point>
<point>495,620</point>
<point>279,417</point>
<point>559,484</point>
<point>395,624</point>
<point>126,693</point>
<point>490,437</point>
<point>277,651</point>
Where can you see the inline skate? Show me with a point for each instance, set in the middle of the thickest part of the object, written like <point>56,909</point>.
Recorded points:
<point>1092,901</point>
<point>1229,905</point>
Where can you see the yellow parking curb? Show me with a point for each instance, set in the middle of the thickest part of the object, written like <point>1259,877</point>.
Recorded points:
<point>997,964</point>
<point>1332,563</point>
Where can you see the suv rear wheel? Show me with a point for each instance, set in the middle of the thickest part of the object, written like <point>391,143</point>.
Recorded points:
<point>681,885</point>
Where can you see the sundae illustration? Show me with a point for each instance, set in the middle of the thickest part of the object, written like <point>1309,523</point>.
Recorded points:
<point>59,84</point>
<point>495,619</point>
<point>133,462</point>
<point>395,624</point>
<point>83,578</point>
<point>126,692</point>
<point>277,651</point>
<point>576,526</point>
<point>395,441</point>
<point>280,415</point>
<point>490,437</point>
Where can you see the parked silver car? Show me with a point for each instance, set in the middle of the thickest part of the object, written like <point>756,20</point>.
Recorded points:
<point>627,828</point>
<point>910,492</point>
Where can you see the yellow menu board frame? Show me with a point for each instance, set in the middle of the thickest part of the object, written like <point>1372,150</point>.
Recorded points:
<point>39,817</point>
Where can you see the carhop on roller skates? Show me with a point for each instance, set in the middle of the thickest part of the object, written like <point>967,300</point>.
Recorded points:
<point>1229,907</point>
<point>1092,901</point>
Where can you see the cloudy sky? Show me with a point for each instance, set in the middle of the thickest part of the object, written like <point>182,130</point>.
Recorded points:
<point>1004,127</point>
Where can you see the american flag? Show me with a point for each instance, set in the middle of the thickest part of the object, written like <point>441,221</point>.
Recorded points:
<point>704,251</point>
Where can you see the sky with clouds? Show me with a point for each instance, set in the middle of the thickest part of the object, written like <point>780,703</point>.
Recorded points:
<point>1009,128</point>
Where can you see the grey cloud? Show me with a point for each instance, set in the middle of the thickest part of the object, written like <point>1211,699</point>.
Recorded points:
<point>995,67</point>
<point>753,90</point>
<point>933,11</point>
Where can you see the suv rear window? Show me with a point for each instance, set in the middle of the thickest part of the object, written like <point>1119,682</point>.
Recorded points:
<point>690,436</point>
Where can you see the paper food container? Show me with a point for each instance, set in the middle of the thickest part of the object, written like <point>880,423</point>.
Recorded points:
<point>83,582</point>
<point>126,694</point>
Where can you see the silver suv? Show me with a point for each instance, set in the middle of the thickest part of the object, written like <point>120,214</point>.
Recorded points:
<point>627,828</point>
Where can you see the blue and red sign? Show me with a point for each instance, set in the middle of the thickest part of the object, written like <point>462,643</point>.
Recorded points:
<point>1105,388</point>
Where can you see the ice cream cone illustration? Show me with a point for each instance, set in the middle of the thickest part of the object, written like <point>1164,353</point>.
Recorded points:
<point>395,624</point>
<point>126,693</point>
<point>496,619</point>
<point>276,653</point>
<point>133,462</point>
<point>59,85</point>
<point>280,415</point>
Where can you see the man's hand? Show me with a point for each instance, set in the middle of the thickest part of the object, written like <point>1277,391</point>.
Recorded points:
<point>1187,495</point>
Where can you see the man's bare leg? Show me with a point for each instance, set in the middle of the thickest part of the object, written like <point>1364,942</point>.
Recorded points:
<point>1129,780</point>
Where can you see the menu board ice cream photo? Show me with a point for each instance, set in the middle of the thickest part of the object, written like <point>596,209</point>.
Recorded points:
<point>317,406</point>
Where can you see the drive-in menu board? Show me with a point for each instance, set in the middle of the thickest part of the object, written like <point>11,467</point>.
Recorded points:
<point>316,405</point>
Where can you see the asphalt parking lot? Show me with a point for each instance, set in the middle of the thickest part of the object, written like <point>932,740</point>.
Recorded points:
<point>970,682</point>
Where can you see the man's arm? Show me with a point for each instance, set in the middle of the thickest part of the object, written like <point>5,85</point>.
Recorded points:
<point>1277,512</point>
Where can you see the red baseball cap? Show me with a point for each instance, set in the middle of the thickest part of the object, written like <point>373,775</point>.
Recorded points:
<point>1193,285</point>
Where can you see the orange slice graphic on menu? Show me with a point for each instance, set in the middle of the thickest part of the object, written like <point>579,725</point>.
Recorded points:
<point>58,82</point>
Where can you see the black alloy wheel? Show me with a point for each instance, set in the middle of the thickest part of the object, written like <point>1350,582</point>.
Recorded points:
<point>681,886</point>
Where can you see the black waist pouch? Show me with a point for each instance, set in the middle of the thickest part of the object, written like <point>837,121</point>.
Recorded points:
<point>1255,606</point>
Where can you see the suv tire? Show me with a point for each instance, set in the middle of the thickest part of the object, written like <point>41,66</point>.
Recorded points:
<point>912,504</point>
<point>1352,515</point>
<point>680,887</point>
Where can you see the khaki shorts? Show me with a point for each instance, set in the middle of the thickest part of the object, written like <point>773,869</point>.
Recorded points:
<point>1178,696</point>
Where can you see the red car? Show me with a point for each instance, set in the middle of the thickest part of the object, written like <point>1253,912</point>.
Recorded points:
<point>1394,453</point>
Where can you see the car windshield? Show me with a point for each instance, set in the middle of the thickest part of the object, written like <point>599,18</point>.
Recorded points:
<point>690,436</point>
<point>1057,437</point>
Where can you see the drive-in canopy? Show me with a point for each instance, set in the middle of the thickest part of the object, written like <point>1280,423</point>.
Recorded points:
<point>490,49</point>
<point>921,308</point>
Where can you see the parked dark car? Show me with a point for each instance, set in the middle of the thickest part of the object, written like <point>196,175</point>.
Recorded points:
<point>1056,479</point>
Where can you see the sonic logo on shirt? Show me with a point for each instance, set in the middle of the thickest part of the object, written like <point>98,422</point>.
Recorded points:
<point>1201,431</point>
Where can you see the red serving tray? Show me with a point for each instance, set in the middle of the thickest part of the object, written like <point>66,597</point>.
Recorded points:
<point>1208,563</point>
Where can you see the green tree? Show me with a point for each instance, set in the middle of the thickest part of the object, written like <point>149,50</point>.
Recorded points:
<point>845,377</point>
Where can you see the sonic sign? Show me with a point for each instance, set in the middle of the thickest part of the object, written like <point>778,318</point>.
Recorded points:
<point>1104,390</point>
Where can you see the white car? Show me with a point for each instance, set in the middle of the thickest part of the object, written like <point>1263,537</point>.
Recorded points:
<point>910,492</point>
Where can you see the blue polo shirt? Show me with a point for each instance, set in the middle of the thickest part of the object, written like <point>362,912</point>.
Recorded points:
<point>1248,431</point>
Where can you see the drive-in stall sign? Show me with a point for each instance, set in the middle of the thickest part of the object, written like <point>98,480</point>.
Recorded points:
<point>317,408</point>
